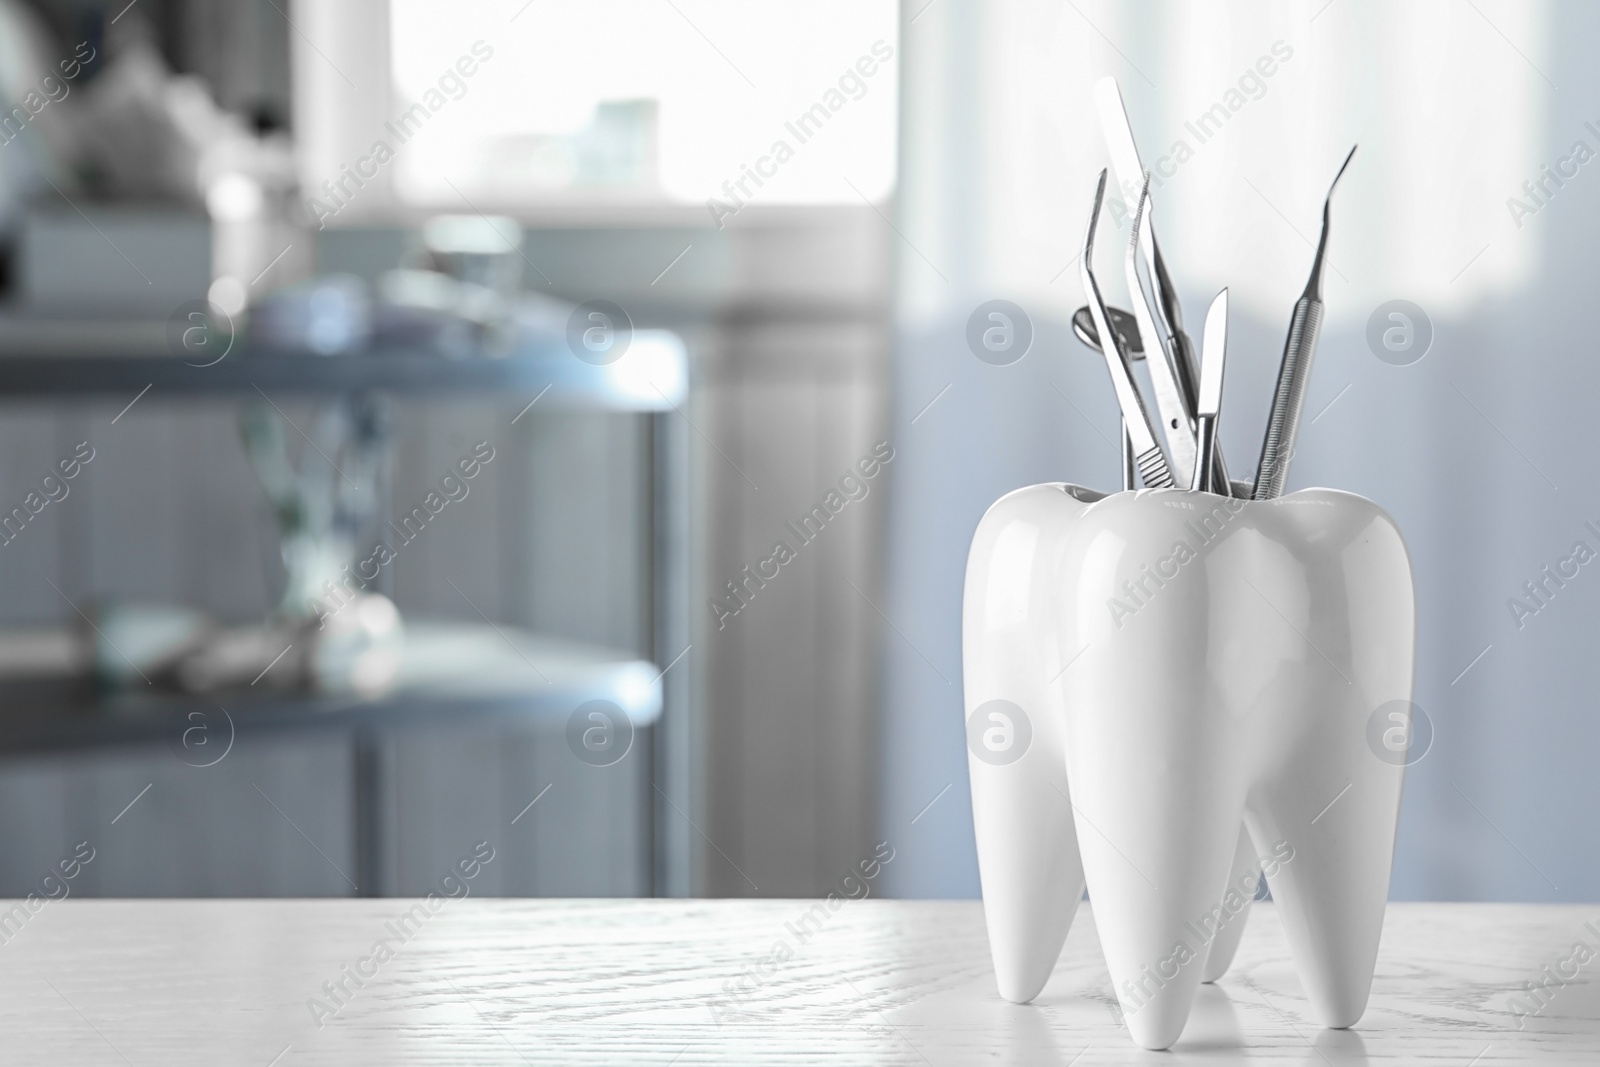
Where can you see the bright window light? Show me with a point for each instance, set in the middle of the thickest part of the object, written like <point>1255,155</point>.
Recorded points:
<point>652,370</point>
<point>648,101</point>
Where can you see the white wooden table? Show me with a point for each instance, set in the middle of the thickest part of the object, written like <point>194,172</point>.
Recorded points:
<point>688,982</point>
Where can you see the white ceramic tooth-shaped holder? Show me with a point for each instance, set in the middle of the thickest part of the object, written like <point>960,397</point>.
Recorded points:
<point>1145,673</point>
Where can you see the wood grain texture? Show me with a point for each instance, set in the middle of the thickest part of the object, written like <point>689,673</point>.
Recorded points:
<point>693,982</point>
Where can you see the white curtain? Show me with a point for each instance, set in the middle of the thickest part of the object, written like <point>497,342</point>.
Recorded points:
<point>1455,106</point>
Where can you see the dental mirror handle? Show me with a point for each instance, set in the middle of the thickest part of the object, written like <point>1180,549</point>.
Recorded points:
<point>1293,376</point>
<point>1277,449</point>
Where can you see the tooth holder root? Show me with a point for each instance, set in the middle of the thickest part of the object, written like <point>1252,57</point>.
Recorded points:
<point>1195,663</point>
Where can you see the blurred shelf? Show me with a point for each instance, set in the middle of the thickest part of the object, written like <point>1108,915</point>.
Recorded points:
<point>451,674</point>
<point>490,674</point>
<point>119,358</point>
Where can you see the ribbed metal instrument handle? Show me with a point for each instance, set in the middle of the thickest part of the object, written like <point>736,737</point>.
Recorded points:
<point>1284,424</point>
<point>1153,469</point>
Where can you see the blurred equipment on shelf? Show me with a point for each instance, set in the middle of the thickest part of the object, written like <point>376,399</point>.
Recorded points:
<point>454,293</point>
<point>355,650</point>
<point>261,237</point>
<point>326,501</point>
<point>328,315</point>
<point>476,250</point>
<point>145,133</point>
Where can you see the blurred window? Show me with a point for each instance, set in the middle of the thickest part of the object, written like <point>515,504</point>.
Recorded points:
<point>646,101</point>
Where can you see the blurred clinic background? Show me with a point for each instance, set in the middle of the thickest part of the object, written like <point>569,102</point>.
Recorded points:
<point>554,423</point>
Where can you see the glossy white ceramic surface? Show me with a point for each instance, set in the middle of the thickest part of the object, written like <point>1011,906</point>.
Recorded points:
<point>1027,847</point>
<point>1226,658</point>
<point>1192,663</point>
<point>1242,881</point>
